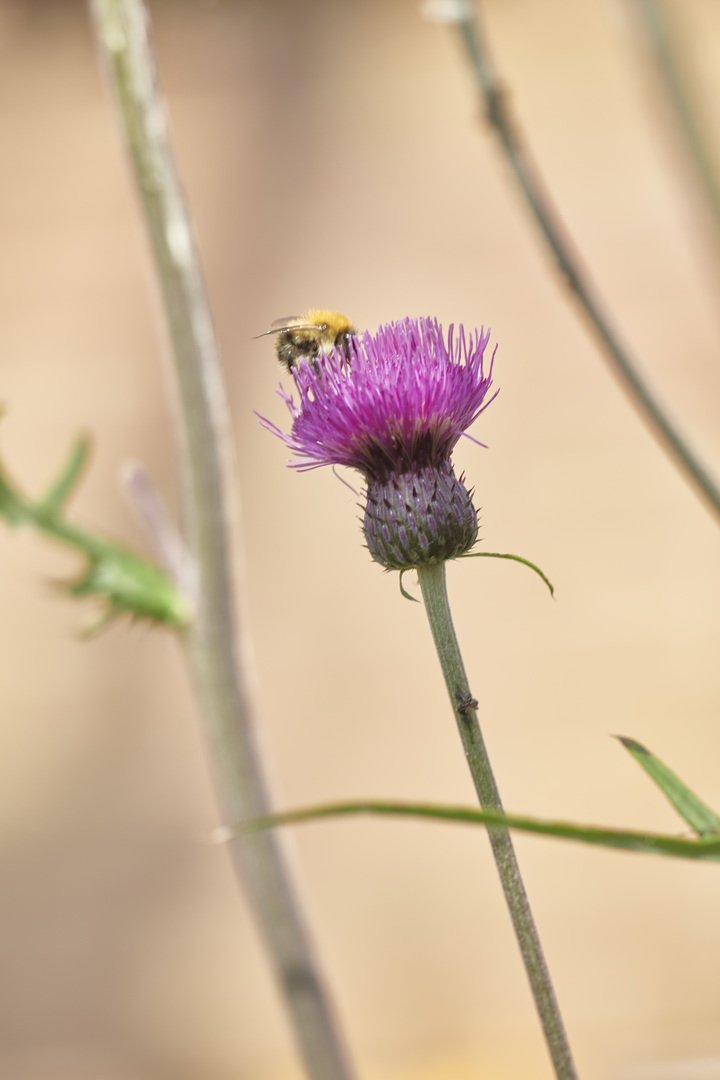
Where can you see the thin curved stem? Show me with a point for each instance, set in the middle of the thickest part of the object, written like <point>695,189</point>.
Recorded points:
<point>218,652</point>
<point>697,849</point>
<point>465,708</point>
<point>568,262</point>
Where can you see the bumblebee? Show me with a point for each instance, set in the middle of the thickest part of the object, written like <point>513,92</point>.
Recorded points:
<point>308,336</point>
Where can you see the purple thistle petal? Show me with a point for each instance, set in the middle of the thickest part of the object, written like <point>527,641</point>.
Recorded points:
<point>399,403</point>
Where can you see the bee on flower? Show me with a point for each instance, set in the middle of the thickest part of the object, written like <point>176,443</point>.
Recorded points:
<point>393,404</point>
<point>306,337</point>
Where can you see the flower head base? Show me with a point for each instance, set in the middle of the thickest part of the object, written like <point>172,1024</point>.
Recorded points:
<point>419,517</point>
<point>394,409</point>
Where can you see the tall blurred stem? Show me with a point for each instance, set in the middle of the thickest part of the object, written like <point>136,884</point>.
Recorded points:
<point>218,653</point>
<point>570,266</point>
<point>667,57</point>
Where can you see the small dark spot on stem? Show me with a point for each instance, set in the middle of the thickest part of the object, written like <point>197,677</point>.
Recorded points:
<point>466,703</point>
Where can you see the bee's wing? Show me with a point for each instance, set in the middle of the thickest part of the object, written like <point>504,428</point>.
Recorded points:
<point>288,322</point>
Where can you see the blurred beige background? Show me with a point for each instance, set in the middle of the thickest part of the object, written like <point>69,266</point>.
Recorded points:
<point>332,157</point>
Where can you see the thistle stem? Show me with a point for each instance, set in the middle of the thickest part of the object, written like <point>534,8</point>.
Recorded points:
<point>434,589</point>
<point>218,653</point>
<point>572,271</point>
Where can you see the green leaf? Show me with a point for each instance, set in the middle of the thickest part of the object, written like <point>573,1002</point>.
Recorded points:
<point>403,590</point>
<point>622,839</point>
<point>127,583</point>
<point>701,819</point>
<point>63,487</point>
<point>515,558</point>
<point>132,586</point>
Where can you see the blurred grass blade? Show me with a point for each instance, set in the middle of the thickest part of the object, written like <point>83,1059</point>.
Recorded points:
<point>621,839</point>
<point>701,819</point>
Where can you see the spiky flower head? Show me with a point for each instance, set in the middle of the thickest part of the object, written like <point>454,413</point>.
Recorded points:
<point>394,407</point>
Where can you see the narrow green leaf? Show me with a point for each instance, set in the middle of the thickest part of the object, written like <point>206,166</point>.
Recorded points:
<point>403,590</point>
<point>62,488</point>
<point>621,839</point>
<point>11,507</point>
<point>699,816</point>
<point>515,558</point>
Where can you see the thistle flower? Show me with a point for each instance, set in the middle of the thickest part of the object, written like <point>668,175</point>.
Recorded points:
<point>394,408</point>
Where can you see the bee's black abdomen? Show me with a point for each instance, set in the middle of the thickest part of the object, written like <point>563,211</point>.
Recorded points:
<point>342,342</point>
<point>291,347</point>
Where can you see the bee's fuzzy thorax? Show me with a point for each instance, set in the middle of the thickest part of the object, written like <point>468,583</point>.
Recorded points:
<point>335,321</point>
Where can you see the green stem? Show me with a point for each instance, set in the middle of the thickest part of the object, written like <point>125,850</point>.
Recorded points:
<point>434,589</point>
<point>218,650</point>
<point>702,848</point>
<point>553,231</point>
